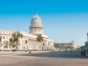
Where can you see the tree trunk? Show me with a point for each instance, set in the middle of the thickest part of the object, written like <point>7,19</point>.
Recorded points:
<point>8,47</point>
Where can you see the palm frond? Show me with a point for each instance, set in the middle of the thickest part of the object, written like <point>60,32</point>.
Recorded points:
<point>0,38</point>
<point>39,38</point>
<point>14,35</point>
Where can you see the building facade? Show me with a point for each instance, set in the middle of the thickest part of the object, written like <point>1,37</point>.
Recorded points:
<point>69,45</point>
<point>29,39</point>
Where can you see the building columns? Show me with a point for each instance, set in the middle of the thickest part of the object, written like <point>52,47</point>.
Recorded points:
<point>20,44</point>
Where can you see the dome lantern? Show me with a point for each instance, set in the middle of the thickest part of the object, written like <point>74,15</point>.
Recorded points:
<point>36,13</point>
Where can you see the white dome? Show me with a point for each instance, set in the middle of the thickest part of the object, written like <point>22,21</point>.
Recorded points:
<point>36,18</point>
<point>36,21</point>
<point>36,26</point>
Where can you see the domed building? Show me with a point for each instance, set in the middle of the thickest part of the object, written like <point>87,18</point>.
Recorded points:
<point>36,25</point>
<point>28,42</point>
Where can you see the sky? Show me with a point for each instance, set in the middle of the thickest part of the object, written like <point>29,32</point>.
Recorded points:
<point>63,20</point>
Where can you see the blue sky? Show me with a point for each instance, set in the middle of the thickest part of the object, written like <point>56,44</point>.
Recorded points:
<point>63,20</point>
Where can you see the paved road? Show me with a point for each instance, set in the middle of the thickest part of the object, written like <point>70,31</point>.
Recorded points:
<point>64,58</point>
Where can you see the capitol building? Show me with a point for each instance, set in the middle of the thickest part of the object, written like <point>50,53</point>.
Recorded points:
<point>28,42</point>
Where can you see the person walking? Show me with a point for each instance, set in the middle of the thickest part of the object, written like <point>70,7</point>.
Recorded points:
<point>83,51</point>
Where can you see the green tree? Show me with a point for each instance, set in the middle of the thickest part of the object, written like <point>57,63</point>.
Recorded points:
<point>17,39</point>
<point>0,39</point>
<point>39,38</point>
<point>12,43</point>
<point>14,39</point>
<point>19,35</point>
<point>56,45</point>
<point>69,47</point>
<point>16,36</point>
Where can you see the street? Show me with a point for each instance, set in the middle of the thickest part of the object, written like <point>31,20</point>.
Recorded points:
<point>60,58</point>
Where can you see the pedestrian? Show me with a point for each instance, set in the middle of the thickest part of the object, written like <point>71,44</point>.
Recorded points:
<point>83,51</point>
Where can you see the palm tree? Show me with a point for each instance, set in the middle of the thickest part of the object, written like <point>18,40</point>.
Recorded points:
<point>12,43</point>
<point>1,43</point>
<point>14,39</point>
<point>0,40</point>
<point>16,36</point>
<point>19,35</point>
<point>39,38</point>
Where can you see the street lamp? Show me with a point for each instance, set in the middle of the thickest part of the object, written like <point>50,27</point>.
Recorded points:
<point>87,36</point>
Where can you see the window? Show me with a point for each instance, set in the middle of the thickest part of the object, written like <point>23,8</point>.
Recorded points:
<point>3,37</point>
<point>7,42</point>
<point>43,44</point>
<point>25,41</point>
<point>3,42</point>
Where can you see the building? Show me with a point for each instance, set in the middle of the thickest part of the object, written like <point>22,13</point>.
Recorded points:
<point>69,45</point>
<point>29,39</point>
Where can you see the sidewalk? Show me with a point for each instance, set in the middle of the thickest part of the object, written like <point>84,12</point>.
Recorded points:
<point>26,52</point>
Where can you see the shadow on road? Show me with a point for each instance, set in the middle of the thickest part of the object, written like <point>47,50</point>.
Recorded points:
<point>59,54</point>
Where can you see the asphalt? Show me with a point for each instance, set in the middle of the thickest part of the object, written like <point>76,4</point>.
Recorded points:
<point>59,58</point>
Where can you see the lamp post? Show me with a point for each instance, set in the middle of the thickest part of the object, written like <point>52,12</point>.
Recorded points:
<point>87,37</point>
<point>87,41</point>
